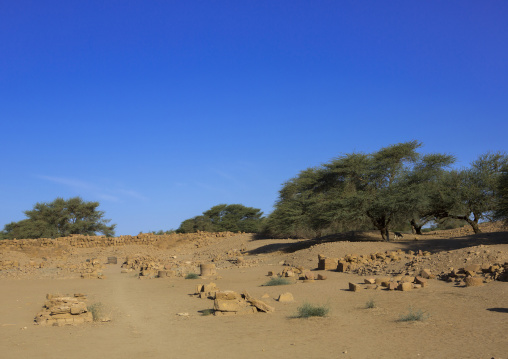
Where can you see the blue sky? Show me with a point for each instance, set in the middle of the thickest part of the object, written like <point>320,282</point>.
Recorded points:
<point>161,109</point>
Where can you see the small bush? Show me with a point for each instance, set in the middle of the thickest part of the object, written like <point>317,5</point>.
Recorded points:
<point>192,276</point>
<point>414,316</point>
<point>370,304</point>
<point>206,312</point>
<point>308,310</point>
<point>99,313</point>
<point>277,281</point>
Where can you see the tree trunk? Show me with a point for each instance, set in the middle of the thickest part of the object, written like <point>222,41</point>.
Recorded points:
<point>415,228</point>
<point>472,222</point>
<point>385,234</point>
<point>474,225</point>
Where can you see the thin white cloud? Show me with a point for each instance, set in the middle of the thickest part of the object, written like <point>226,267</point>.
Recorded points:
<point>108,197</point>
<point>133,194</point>
<point>68,182</point>
<point>107,194</point>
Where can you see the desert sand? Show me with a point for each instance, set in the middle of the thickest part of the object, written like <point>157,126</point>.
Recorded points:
<point>163,318</point>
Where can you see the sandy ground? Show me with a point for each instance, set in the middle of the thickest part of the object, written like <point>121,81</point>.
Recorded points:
<point>463,322</point>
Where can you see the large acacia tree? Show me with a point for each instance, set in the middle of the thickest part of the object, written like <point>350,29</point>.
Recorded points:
<point>60,218</point>
<point>353,191</point>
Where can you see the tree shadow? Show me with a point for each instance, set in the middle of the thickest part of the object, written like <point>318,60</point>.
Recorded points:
<point>448,244</point>
<point>499,310</point>
<point>425,244</point>
<point>292,247</point>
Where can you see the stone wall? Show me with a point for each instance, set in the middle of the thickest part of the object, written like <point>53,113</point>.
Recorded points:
<point>80,241</point>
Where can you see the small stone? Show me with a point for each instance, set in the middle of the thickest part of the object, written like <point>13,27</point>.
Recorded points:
<point>392,286</point>
<point>286,297</point>
<point>405,286</point>
<point>354,287</point>
<point>474,281</point>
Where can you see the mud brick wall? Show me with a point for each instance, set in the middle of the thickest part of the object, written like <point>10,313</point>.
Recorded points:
<point>80,241</point>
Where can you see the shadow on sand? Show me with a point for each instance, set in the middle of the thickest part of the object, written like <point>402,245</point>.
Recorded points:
<point>424,242</point>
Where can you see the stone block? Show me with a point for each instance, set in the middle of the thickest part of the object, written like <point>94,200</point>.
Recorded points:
<point>261,306</point>
<point>309,276</point>
<point>227,295</point>
<point>321,277</point>
<point>369,281</point>
<point>342,266</point>
<point>354,287</point>
<point>381,280</point>
<point>327,263</point>
<point>229,305</point>
<point>286,297</point>
<point>473,281</point>
<point>392,285</point>
<point>207,269</point>
<point>408,278</point>
<point>427,274</point>
<point>405,286</point>
<point>78,308</point>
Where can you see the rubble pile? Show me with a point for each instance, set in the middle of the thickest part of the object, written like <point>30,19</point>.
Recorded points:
<point>61,310</point>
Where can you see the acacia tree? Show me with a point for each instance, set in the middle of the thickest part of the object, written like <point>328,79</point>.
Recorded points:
<point>60,218</point>
<point>353,191</point>
<point>426,182</point>
<point>294,214</point>
<point>224,217</point>
<point>471,194</point>
<point>501,212</point>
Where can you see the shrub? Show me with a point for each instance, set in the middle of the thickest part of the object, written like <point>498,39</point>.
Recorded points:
<point>192,276</point>
<point>308,310</point>
<point>370,304</point>
<point>206,312</point>
<point>99,313</point>
<point>277,281</point>
<point>414,316</point>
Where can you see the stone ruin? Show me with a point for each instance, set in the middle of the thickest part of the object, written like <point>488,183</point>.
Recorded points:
<point>476,274</point>
<point>402,283</point>
<point>8,264</point>
<point>297,273</point>
<point>231,303</point>
<point>411,265</point>
<point>149,267</point>
<point>92,269</point>
<point>146,266</point>
<point>59,310</point>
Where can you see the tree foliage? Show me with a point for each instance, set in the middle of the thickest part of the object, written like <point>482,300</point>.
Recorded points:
<point>470,194</point>
<point>501,212</point>
<point>224,217</point>
<point>392,188</point>
<point>60,218</point>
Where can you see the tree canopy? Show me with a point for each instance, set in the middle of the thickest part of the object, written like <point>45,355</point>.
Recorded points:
<point>390,188</point>
<point>60,218</point>
<point>224,217</point>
